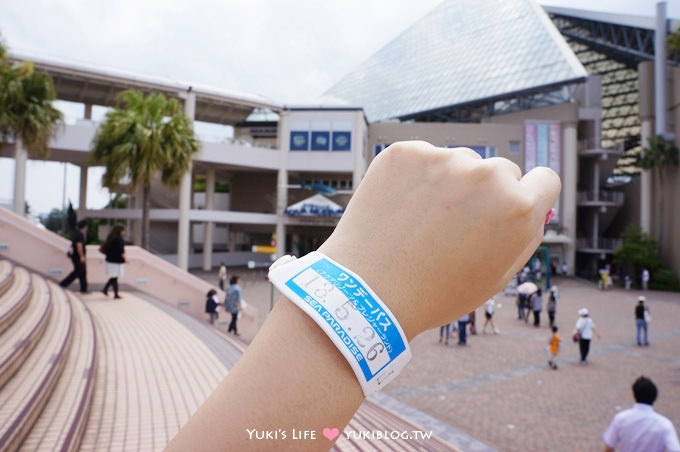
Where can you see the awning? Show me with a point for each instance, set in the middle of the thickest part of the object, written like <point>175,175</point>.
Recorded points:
<point>315,206</point>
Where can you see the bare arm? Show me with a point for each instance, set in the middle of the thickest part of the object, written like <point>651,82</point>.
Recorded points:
<point>292,376</point>
<point>80,251</point>
<point>608,448</point>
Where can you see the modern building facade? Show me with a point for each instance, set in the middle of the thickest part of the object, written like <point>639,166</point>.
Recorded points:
<point>509,85</point>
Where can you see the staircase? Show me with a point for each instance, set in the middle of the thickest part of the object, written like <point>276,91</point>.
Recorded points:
<point>47,363</point>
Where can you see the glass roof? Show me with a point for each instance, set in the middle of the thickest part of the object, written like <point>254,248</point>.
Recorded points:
<point>463,51</point>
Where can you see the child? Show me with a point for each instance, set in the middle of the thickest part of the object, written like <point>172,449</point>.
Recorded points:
<point>554,348</point>
<point>212,305</point>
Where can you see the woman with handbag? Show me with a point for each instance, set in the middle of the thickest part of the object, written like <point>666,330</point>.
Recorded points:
<point>585,327</point>
<point>114,248</point>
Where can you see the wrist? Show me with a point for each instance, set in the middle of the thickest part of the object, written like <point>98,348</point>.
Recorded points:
<point>388,282</point>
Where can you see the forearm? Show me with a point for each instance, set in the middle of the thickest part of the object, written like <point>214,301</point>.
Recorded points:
<point>278,386</point>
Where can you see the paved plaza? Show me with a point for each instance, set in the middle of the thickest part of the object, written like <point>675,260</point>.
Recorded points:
<point>499,389</point>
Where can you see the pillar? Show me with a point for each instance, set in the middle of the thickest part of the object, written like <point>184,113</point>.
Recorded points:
<point>209,225</point>
<point>82,198</point>
<point>282,185</point>
<point>20,159</point>
<point>646,110</point>
<point>183,222</point>
<point>569,191</point>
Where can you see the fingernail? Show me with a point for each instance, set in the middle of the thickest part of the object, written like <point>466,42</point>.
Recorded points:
<point>550,215</point>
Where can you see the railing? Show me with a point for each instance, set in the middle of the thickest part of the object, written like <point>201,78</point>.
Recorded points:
<point>603,243</point>
<point>588,144</point>
<point>615,197</point>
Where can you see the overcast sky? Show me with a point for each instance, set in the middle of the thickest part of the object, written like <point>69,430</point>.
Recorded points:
<point>289,51</point>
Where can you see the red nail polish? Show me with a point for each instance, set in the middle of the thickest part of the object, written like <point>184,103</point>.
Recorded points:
<point>550,215</point>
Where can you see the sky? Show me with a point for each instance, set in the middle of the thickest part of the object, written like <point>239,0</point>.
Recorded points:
<point>288,51</point>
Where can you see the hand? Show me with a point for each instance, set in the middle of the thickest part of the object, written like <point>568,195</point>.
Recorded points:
<point>82,259</point>
<point>436,232</point>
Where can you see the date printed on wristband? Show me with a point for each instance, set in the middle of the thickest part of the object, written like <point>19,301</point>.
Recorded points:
<point>350,313</point>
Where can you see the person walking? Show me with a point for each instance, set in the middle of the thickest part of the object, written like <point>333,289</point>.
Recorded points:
<point>645,279</point>
<point>585,327</point>
<point>489,308</point>
<point>78,258</point>
<point>445,333</point>
<point>554,345</point>
<point>232,302</point>
<point>642,318</point>
<point>552,304</point>
<point>462,329</point>
<point>640,428</point>
<point>222,275</point>
<point>114,248</point>
<point>537,307</point>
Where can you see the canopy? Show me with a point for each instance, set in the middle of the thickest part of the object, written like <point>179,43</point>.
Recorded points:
<point>315,206</point>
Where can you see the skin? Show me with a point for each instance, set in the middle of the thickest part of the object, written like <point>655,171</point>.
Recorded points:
<point>445,216</point>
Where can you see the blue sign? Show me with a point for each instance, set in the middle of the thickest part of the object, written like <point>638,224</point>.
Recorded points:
<point>321,141</point>
<point>299,141</point>
<point>342,141</point>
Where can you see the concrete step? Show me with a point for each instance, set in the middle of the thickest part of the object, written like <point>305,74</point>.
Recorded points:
<point>16,296</point>
<point>62,422</point>
<point>23,397</point>
<point>25,332</point>
<point>6,275</point>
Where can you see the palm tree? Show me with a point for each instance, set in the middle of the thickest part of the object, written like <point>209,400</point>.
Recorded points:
<point>27,116</point>
<point>656,157</point>
<point>26,111</point>
<point>142,136</point>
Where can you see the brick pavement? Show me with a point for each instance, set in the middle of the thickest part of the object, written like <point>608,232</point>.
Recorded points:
<point>499,389</point>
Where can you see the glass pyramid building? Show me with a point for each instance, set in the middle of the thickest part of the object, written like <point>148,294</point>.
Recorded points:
<point>463,52</point>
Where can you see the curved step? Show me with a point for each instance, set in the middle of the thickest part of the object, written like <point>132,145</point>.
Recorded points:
<point>15,298</point>
<point>24,395</point>
<point>62,421</point>
<point>25,332</point>
<point>6,275</point>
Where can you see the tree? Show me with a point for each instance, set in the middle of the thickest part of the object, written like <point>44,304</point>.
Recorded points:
<point>637,251</point>
<point>656,157</point>
<point>140,137</point>
<point>26,111</point>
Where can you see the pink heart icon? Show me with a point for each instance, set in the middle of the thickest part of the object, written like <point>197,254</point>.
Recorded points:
<point>331,433</point>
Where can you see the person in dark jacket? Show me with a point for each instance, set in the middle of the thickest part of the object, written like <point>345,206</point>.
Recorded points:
<point>77,255</point>
<point>114,248</point>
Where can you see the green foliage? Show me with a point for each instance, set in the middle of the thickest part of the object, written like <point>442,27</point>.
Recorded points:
<point>659,153</point>
<point>673,45</point>
<point>637,251</point>
<point>26,111</point>
<point>664,279</point>
<point>54,221</point>
<point>144,135</point>
<point>200,185</point>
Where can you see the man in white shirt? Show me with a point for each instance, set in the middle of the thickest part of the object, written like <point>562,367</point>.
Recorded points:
<point>641,428</point>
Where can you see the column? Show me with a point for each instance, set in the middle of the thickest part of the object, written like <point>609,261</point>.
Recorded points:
<point>208,225</point>
<point>569,190</point>
<point>185,196</point>
<point>20,159</point>
<point>88,112</point>
<point>282,185</point>
<point>646,109</point>
<point>82,198</point>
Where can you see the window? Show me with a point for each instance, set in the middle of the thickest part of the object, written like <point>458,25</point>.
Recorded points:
<point>514,147</point>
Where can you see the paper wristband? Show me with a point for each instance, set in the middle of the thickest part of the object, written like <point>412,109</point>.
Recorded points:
<point>349,312</point>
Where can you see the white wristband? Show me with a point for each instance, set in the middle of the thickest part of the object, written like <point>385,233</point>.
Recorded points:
<point>349,312</point>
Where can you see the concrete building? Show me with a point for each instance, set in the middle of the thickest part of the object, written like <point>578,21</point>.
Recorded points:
<point>511,81</point>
